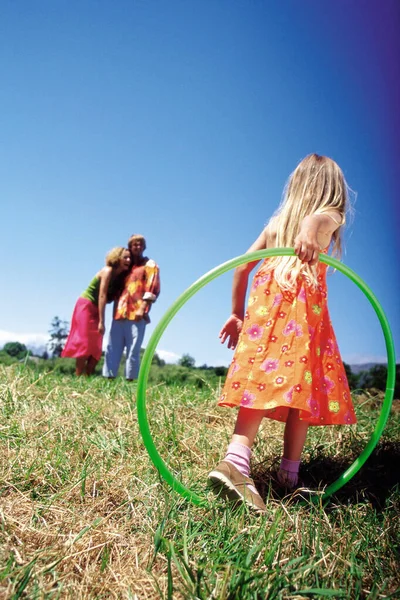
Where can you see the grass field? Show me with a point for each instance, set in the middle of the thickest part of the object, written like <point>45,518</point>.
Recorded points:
<point>83,513</point>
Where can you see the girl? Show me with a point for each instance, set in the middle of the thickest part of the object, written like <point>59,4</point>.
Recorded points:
<point>287,364</point>
<point>87,327</point>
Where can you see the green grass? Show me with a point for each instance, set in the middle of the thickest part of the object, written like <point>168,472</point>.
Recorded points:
<point>83,513</point>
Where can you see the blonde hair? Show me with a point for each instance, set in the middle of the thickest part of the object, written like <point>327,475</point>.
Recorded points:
<point>114,256</point>
<point>137,237</point>
<point>317,185</point>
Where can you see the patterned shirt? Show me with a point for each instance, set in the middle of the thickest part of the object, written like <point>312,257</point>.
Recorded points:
<point>142,283</point>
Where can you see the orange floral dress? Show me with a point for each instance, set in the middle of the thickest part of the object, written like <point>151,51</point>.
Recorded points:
<point>287,355</point>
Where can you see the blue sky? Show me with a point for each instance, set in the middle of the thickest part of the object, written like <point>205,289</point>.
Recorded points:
<point>182,120</point>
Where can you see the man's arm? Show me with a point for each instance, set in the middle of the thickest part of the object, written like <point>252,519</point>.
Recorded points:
<point>151,288</point>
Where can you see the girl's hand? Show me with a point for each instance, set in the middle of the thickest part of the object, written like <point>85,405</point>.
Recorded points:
<point>231,331</point>
<point>101,328</point>
<point>306,246</point>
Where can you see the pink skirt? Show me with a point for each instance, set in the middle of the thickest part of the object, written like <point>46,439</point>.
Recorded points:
<point>84,339</point>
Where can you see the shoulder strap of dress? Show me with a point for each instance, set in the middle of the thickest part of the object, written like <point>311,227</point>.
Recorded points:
<point>333,219</point>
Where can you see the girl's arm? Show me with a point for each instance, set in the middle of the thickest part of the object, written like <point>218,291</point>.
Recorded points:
<point>105,277</point>
<point>233,326</point>
<point>315,234</point>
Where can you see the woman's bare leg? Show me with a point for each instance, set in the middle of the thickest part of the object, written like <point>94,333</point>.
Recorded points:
<point>91,365</point>
<point>80,367</point>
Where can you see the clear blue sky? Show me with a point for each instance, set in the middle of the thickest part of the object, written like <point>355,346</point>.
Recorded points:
<point>182,120</point>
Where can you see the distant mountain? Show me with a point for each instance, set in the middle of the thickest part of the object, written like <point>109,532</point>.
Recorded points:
<point>364,367</point>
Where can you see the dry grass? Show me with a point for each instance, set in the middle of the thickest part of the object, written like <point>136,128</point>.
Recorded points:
<point>83,513</point>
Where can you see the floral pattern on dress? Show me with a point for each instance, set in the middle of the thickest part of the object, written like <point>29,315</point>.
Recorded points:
<point>287,355</point>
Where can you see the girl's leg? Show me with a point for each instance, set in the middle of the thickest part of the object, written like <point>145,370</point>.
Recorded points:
<point>294,436</point>
<point>293,442</point>
<point>231,476</point>
<point>91,365</point>
<point>247,426</point>
<point>80,365</point>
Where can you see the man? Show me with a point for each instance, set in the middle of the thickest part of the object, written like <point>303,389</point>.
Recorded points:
<point>131,312</point>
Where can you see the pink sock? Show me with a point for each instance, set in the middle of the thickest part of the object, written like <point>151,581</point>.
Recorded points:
<point>288,474</point>
<point>239,456</point>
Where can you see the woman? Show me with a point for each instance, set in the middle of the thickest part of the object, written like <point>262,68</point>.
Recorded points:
<point>87,327</point>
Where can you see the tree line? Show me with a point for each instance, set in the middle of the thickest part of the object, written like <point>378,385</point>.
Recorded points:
<point>184,371</point>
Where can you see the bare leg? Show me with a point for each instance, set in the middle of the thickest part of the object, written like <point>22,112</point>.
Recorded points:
<point>80,367</point>
<point>91,365</point>
<point>248,423</point>
<point>231,476</point>
<point>294,436</point>
<point>293,442</point>
<point>247,426</point>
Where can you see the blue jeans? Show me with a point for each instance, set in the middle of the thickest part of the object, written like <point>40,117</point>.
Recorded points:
<point>129,334</point>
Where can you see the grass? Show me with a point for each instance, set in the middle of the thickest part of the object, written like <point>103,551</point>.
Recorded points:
<point>83,513</point>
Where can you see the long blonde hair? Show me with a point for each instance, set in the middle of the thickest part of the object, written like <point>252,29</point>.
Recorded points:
<point>114,256</point>
<point>317,185</point>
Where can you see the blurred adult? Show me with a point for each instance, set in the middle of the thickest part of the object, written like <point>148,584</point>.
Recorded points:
<point>131,312</point>
<point>85,338</point>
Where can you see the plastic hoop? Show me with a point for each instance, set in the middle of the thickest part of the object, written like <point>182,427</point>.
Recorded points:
<point>195,287</point>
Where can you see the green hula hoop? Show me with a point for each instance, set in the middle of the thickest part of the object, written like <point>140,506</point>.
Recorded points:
<point>195,287</point>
